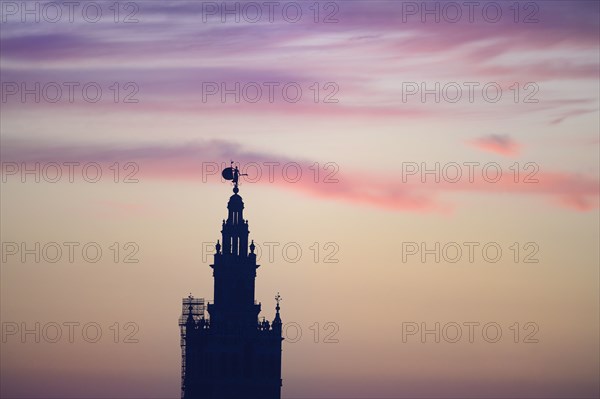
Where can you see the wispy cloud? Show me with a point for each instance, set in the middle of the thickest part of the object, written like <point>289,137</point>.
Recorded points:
<point>568,114</point>
<point>367,52</point>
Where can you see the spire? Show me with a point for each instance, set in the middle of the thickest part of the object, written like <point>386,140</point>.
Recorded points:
<point>234,268</point>
<point>277,319</point>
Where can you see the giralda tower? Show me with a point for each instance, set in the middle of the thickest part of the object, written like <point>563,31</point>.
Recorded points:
<point>228,353</point>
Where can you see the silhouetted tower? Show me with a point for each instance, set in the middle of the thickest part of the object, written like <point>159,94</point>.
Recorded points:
<point>231,355</point>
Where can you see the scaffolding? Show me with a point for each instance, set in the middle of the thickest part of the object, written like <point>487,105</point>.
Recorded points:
<point>195,307</point>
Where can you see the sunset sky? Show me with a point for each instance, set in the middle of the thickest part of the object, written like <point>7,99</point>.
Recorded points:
<point>340,113</point>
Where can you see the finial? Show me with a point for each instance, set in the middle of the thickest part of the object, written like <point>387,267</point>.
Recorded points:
<point>277,320</point>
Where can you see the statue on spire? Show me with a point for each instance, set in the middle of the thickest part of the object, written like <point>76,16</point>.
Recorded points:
<point>233,174</point>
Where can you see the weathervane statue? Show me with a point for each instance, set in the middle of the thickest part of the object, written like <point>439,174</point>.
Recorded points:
<point>233,174</point>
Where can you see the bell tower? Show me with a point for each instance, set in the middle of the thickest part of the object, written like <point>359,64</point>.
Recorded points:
<point>227,353</point>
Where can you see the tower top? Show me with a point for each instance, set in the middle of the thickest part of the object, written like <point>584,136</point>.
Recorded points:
<point>277,320</point>
<point>233,173</point>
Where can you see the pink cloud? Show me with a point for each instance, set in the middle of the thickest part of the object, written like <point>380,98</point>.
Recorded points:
<point>201,162</point>
<point>498,144</point>
<point>579,203</point>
